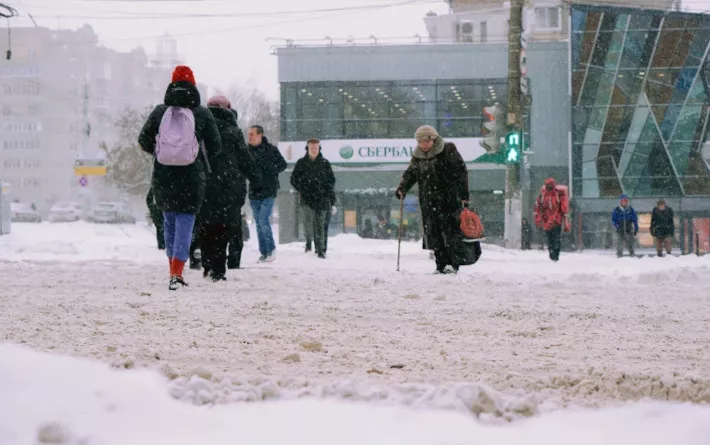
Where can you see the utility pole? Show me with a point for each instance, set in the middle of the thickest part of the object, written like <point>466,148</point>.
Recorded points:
<point>513,192</point>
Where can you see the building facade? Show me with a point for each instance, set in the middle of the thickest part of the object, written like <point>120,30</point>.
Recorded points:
<point>59,97</point>
<point>364,103</point>
<point>640,109</point>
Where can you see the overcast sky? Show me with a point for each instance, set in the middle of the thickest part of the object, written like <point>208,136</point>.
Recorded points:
<point>225,41</point>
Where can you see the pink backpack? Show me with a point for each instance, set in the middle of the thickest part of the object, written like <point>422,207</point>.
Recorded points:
<point>177,143</point>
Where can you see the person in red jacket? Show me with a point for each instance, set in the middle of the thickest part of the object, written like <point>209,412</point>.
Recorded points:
<point>550,210</point>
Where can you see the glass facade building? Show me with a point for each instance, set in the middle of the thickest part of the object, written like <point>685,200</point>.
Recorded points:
<point>386,110</point>
<point>640,102</point>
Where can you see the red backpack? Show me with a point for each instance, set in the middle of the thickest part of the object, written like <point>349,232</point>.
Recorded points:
<point>471,225</point>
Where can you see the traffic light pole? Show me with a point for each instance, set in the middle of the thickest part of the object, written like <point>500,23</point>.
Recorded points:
<point>513,192</point>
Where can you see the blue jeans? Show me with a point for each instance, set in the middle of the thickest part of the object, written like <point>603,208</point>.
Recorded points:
<point>262,212</point>
<point>178,234</point>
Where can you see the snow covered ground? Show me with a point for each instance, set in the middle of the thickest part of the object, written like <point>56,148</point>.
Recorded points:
<point>510,337</point>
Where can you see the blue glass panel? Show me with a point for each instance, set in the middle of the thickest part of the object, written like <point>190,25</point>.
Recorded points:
<point>641,22</point>
<point>669,120</point>
<point>637,163</point>
<point>697,94</point>
<point>579,19</point>
<point>700,44</point>
<point>684,135</point>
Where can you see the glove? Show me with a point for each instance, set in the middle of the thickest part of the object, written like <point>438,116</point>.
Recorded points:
<point>399,193</point>
<point>333,210</point>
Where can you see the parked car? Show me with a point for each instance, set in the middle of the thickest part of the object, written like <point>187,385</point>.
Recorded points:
<point>65,212</point>
<point>111,212</point>
<point>20,212</point>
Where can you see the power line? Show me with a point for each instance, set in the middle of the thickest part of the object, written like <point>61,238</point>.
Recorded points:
<point>163,16</point>
<point>248,27</point>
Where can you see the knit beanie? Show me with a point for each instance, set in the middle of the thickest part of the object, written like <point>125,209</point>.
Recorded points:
<point>219,102</point>
<point>426,133</point>
<point>183,73</point>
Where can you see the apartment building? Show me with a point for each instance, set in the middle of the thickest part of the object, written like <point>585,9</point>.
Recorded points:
<point>59,96</point>
<point>482,21</point>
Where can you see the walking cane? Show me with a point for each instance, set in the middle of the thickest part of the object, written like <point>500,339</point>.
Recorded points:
<point>401,224</point>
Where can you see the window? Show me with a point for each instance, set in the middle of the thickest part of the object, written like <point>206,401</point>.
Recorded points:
<point>22,127</point>
<point>547,17</point>
<point>21,145</point>
<point>6,110</point>
<point>31,163</point>
<point>30,182</point>
<point>12,163</point>
<point>484,31</point>
<point>385,110</point>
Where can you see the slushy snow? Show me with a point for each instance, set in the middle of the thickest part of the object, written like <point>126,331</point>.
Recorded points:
<point>514,337</point>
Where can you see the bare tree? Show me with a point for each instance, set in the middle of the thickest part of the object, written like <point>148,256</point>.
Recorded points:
<point>255,108</point>
<point>129,168</point>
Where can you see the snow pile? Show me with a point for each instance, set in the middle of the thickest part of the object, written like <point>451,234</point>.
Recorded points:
<point>62,400</point>
<point>475,399</point>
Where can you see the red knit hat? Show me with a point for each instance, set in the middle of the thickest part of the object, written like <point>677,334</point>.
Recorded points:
<point>183,73</point>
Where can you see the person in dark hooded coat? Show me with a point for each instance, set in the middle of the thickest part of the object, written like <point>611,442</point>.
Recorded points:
<point>226,190</point>
<point>236,229</point>
<point>442,178</point>
<point>314,180</point>
<point>156,216</point>
<point>179,190</point>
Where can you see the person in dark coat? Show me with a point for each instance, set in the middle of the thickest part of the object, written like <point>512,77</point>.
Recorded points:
<point>237,228</point>
<point>526,235</point>
<point>179,190</point>
<point>156,216</point>
<point>262,196</point>
<point>314,180</point>
<point>225,192</point>
<point>662,227</point>
<point>626,223</point>
<point>442,178</point>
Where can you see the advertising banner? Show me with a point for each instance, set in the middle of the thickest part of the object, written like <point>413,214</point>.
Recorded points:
<point>374,151</point>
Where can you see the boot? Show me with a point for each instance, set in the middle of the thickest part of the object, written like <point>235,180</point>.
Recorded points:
<point>232,262</point>
<point>308,246</point>
<point>176,280</point>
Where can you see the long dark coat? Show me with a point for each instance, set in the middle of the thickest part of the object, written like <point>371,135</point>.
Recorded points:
<point>181,189</point>
<point>314,180</point>
<point>226,185</point>
<point>662,223</point>
<point>442,180</point>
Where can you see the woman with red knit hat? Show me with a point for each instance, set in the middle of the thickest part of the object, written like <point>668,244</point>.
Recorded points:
<point>179,185</point>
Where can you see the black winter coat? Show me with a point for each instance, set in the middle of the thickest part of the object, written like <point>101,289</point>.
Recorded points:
<point>270,163</point>
<point>442,179</point>
<point>226,185</point>
<point>314,180</point>
<point>662,224</point>
<point>181,189</point>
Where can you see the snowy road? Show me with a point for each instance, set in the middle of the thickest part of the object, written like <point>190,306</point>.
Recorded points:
<point>590,330</point>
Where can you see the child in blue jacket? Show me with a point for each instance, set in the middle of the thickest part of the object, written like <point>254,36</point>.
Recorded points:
<point>626,224</point>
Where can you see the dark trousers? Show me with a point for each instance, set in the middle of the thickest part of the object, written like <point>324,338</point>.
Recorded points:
<point>325,233</point>
<point>553,242</point>
<point>444,242</point>
<point>213,244</point>
<point>235,243</point>
<point>314,225</point>
<point>661,242</point>
<point>624,239</point>
<point>159,232</point>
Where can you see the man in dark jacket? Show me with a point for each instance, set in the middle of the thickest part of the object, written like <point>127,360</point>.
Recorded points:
<point>156,216</point>
<point>179,190</point>
<point>262,196</point>
<point>662,227</point>
<point>441,175</point>
<point>626,223</point>
<point>225,192</point>
<point>314,180</point>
